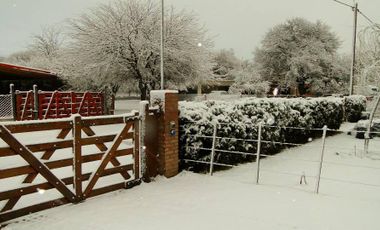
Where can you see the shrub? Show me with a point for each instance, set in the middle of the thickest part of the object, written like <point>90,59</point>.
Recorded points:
<point>354,106</point>
<point>239,120</point>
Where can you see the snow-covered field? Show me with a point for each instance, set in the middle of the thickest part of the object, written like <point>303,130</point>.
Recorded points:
<point>126,105</point>
<point>231,200</point>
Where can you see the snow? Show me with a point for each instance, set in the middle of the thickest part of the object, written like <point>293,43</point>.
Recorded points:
<point>159,95</point>
<point>231,200</point>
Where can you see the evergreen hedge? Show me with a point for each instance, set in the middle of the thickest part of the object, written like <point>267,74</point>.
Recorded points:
<point>239,119</point>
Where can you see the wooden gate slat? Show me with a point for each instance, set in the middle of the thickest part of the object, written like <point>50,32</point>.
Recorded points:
<point>22,170</point>
<point>37,165</point>
<point>102,147</point>
<point>106,158</point>
<point>10,204</point>
<point>31,209</point>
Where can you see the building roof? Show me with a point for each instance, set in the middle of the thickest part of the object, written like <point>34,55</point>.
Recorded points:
<point>10,71</point>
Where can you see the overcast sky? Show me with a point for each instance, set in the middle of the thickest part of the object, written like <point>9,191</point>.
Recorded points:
<point>236,24</point>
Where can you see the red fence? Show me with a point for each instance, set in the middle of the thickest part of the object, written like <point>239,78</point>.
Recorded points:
<point>47,105</point>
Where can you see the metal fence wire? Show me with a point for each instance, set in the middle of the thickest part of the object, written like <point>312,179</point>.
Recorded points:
<point>6,110</point>
<point>320,147</point>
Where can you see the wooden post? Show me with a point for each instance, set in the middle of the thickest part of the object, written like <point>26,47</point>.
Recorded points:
<point>321,160</point>
<point>258,153</point>
<point>144,110</point>
<point>35,102</point>
<point>13,98</point>
<point>354,38</point>
<point>77,150</point>
<point>136,153</point>
<point>213,149</point>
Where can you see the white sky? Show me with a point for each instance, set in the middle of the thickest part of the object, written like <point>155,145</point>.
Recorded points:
<point>237,24</point>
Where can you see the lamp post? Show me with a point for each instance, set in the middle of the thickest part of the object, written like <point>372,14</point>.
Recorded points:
<point>199,87</point>
<point>162,44</point>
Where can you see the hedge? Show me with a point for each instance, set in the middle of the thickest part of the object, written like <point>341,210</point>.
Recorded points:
<point>239,119</point>
<point>354,106</point>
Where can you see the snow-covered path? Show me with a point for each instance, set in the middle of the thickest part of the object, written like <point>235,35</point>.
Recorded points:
<point>231,200</point>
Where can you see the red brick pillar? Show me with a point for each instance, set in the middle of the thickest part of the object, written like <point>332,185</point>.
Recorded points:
<point>167,130</point>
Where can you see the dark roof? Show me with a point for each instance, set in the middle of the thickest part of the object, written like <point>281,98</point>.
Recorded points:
<point>10,71</point>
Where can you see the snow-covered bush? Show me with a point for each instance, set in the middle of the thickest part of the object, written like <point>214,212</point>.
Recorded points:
<point>239,120</point>
<point>354,106</point>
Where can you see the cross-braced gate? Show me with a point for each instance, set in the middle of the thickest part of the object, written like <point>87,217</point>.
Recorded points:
<point>52,170</point>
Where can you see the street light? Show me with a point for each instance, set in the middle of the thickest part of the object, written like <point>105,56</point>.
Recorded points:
<point>162,44</point>
<point>199,88</point>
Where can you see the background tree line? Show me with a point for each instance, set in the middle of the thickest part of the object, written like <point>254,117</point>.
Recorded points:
<point>117,46</point>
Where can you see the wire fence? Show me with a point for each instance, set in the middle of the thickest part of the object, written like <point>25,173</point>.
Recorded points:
<point>319,160</point>
<point>6,110</point>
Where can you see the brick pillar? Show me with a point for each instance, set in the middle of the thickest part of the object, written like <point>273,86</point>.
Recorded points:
<point>167,131</point>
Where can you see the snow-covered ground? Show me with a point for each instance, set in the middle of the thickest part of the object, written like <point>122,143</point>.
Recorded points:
<point>231,200</point>
<point>126,105</point>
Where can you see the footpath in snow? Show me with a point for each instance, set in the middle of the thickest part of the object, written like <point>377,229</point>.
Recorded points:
<point>230,199</point>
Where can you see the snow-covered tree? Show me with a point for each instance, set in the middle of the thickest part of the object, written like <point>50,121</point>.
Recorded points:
<point>44,52</point>
<point>298,53</point>
<point>225,62</point>
<point>48,42</point>
<point>120,42</point>
<point>368,57</point>
<point>249,81</point>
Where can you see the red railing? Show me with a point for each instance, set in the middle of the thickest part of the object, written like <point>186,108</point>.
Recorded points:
<point>58,104</point>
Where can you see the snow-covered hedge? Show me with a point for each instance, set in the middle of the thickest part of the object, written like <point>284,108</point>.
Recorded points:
<point>239,120</point>
<point>354,106</point>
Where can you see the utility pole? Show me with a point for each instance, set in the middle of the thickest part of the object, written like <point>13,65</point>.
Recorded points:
<point>162,44</point>
<point>355,9</point>
<point>352,74</point>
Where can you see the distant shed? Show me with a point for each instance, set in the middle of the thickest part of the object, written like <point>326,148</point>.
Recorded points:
<point>25,77</point>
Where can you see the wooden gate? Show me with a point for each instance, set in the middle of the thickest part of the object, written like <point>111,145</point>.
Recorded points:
<point>83,157</point>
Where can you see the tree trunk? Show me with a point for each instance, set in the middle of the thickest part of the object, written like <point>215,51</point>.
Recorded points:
<point>143,90</point>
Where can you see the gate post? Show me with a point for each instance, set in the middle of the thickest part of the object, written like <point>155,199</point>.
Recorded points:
<point>167,130</point>
<point>35,103</point>
<point>13,98</point>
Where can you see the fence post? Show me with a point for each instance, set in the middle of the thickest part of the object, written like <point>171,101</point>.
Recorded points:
<point>77,150</point>
<point>13,98</point>
<point>136,151</point>
<point>258,153</point>
<point>321,160</point>
<point>144,110</point>
<point>213,149</point>
<point>35,102</point>
<point>105,101</point>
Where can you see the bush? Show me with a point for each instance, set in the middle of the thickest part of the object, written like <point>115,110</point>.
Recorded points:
<point>239,120</point>
<point>354,106</point>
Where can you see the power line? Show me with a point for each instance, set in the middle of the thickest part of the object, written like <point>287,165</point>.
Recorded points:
<point>345,4</point>
<point>369,20</point>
